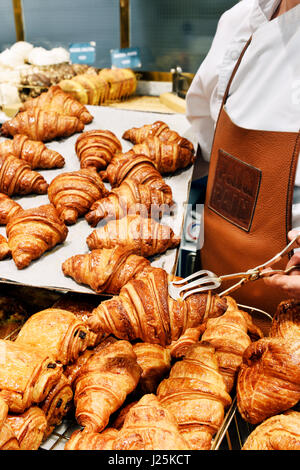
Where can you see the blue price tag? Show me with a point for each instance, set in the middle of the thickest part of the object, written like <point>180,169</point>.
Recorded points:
<point>83,53</point>
<point>126,58</point>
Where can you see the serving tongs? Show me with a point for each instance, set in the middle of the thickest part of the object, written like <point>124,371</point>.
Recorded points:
<point>205,280</point>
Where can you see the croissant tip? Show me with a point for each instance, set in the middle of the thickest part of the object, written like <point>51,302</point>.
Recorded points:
<point>69,216</point>
<point>41,187</point>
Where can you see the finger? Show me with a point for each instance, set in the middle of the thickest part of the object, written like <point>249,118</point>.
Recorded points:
<point>287,283</point>
<point>293,234</point>
<point>294,261</point>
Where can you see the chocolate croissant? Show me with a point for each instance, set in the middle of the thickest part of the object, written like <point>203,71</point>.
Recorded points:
<point>31,232</point>
<point>103,384</point>
<point>55,331</point>
<point>31,151</point>
<point>8,208</point>
<point>195,393</point>
<point>105,270</point>
<point>55,99</point>
<point>159,129</point>
<point>144,310</point>
<point>42,125</point>
<point>17,178</point>
<point>74,192</point>
<point>155,362</point>
<point>5,251</point>
<point>144,236</point>
<point>26,376</point>
<point>29,427</point>
<point>130,198</point>
<point>96,148</point>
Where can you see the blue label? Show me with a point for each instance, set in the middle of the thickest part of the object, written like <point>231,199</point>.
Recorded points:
<point>83,53</point>
<point>126,58</point>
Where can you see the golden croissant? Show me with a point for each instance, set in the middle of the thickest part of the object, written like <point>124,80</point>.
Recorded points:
<point>229,336</point>
<point>42,125</point>
<point>56,331</point>
<point>26,375</point>
<point>31,232</point>
<point>8,439</point>
<point>159,129</point>
<point>195,393</point>
<point>269,378</point>
<point>74,192</point>
<point>105,270</point>
<point>103,384</point>
<point>286,320</point>
<point>17,178</point>
<point>166,156</point>
<point>155,362</point>
<point>96,148</point>
<point>281,432</point>
<point>5,251</point>
<point>143,235</point>
<point>8,208</point>
<point>130,198</point>
<point>29,427</point>
<point>84,440</point>
<point>55,99</point>
<point>191,336</point>
<point>31,151</point>
<point>144,310</point>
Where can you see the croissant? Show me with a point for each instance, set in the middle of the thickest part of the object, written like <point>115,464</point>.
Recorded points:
<point>166,156</point>
<point>195,393</point>
<point>8,208</point>
<point>17,178</point>
<point>5,251</point>
<point>144,310</point>
<point>159,129</point>
<point>149,426</point>
<point>31,232</point>
<point>8,440</point>
<point>3,411</point>
<point>31,151</point>
<point>84,440</point>
<point>57,331</point>
<point>144,236</point>
<point>96,148</point>
<point>118,422</point>
<point>74,192</point>
<point>105,270</point>
<point>42,125</point>
<point>29,427</point>
<point>130,198</point>
<point>269,379</point>
<point>55,99</point>
<point>281,432</point>
<point>103,384</point>
<point>26,376</point>
<point>286,320</point>
<point>155,362</point>
<point>191,336</point>
<point>122,82</point>
<point>228,334</point>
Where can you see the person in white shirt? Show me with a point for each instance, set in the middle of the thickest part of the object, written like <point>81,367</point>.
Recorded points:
<point>244,109</point>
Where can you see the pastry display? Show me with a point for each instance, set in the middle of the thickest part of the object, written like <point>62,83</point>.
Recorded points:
<point>17,178</point>
<point>96,148</point>
<point>73,193</point>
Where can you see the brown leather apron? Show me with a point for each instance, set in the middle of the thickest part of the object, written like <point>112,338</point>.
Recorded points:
<point>248,207</point>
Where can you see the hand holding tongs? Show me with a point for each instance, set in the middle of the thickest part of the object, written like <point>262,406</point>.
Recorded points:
<point>207,280</point>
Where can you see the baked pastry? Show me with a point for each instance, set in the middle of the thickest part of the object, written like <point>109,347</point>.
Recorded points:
<point>229,336</point>
<point>28,427</point>
<point>103,384</point>
<point>130,198</point>
<point>8,208</point>
<point>75,89</point>
<point>31,232</point>
<point>5,251</point>
<point>55,99</point>
<point>56,331</point>
<point>96,148</point>
<point>8,440</point>
<point>281,432</point>
<point>195,393</point>
<point>31,151</point>
<point>84,440</point>
<point>144,310</point>
<point>144,236</point>
<point>26,376</point>
<point>42,125</point>
<point>191,336</point>
<point>155,362</point>
<point>17,178</point>
<point>286,320</point>
<point>105,270</point>
<point>159,129</point>
<point>122,82</point>
<point>269,379</point>
<point>96,88</point>
<point>166,156</point>
<point>74,192</point>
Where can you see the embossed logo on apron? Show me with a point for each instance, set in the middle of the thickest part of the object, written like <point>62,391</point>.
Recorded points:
<point>235,190</point>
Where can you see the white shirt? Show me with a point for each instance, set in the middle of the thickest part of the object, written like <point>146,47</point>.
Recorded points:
<point>265,93</point>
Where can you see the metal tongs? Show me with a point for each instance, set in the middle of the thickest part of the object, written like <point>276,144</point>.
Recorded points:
<point>205,280</point>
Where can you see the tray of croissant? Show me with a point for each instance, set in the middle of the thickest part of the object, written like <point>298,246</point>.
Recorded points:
<point>90,196</point>
<point>81,373</point>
